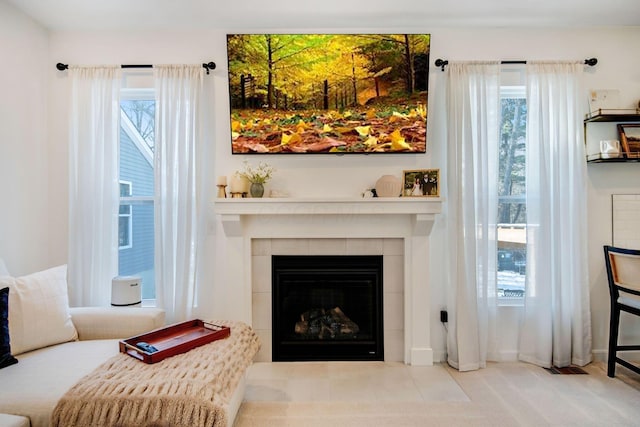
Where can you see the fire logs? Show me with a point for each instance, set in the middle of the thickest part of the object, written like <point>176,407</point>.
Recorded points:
<point>326,324</point>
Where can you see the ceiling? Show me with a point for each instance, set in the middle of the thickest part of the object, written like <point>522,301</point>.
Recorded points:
<point>74,15</point>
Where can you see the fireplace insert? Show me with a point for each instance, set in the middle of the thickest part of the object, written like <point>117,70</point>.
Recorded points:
<point>327,308</point>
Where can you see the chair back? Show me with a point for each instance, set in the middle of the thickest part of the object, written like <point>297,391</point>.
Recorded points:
<point>623,271</point>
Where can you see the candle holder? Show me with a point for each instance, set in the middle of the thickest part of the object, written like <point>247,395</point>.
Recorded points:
<point>222,192</point>
<point>237,195</point>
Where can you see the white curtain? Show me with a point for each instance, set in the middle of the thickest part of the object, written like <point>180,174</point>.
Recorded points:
<point>556,325</point>
<point>473,95</point>
<point>93,183</point>
<point>180,208</point>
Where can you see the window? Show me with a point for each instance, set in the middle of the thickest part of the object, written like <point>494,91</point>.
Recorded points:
<point>136,228</point>
<point>124,217</point>
<point>512,209</point>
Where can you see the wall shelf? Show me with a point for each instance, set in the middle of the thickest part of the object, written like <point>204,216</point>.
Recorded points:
<point>597,158</point>
<point>622,116</point>
<point>612,116</point>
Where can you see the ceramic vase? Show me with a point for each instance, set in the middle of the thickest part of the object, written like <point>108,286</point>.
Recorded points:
<point>388,186</point>
<point>610,149</point>
<point>256,189</point>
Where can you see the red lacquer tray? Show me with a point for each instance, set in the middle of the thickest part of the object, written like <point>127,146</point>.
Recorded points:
<point>174,339</point>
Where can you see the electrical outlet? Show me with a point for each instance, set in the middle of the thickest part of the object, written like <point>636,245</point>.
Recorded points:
<point>444,316</point>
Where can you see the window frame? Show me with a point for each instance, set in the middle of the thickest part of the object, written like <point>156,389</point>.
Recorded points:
<point>511,91</point>
<point>140,92</point>
<point>128,215</point>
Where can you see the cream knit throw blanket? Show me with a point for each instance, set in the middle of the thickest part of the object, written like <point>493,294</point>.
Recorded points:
<point>187,390</point>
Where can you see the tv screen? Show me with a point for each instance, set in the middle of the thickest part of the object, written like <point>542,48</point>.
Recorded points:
<point>328,93</point>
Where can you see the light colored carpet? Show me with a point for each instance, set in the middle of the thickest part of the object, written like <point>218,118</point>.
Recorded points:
<point>381,395</point>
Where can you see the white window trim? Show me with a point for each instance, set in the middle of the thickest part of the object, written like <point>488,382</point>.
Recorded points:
<point>129,216</point>
<point>133,133</point>
<point>513,91</point>
<point>136,94</point>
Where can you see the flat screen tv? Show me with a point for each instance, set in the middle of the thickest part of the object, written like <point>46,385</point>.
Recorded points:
<point>328,93</point>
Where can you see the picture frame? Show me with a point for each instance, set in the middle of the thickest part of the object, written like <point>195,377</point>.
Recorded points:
<point>630,139</point>
<point>421,183</point>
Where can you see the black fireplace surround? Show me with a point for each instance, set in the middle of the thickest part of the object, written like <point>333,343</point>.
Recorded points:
<point>327,308</point>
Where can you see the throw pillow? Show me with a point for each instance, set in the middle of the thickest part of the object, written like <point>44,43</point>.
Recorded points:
<point>6,358</point>
<point>39,310</point>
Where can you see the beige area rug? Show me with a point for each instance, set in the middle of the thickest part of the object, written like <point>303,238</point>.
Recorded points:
<point>503,394</point>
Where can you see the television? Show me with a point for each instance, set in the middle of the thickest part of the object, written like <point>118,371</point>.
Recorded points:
<point>328,93</point>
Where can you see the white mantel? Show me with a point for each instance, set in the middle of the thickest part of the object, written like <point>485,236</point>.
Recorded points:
<point>291,218</point>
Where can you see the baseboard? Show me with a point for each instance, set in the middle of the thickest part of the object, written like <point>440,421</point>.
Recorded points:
<point>440,356</point>
<point>603,355</point>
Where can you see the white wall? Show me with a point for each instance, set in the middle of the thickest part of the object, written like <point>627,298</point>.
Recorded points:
<point>618,68</point>
<point>24,190</point>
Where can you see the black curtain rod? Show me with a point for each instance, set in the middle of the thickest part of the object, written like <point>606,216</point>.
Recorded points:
<point>443,62</point>
<point>208,66</point>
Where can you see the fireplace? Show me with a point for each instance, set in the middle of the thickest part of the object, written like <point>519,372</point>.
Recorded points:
<point>396,227</point>
<point>327,308</point>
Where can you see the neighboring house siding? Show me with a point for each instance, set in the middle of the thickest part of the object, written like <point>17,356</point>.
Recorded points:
<point>135,168</point>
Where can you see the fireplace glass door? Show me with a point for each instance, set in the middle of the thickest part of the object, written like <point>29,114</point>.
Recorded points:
<point>327,308</point>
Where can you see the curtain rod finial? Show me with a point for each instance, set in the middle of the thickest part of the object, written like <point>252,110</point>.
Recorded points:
<point>591,61</point>
<point>61,67</point>
<point>441,63</point>
<point>209,66</point>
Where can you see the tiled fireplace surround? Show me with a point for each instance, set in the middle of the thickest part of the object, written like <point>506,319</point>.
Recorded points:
<point>398,229</point>
<point>393,285</point>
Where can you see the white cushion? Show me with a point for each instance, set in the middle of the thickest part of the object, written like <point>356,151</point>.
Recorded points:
<point>7,420</point>
<point>33,386</point>
<point>99,323</point>
<point>39,310</point>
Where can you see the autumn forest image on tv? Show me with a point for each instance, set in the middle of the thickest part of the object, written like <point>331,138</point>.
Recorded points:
<point>328,93</point>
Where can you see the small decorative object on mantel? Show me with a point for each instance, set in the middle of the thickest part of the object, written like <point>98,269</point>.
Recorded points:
<point>222,184</point>
<point>258,176</point>
<point>388,186</point>
<point>421,183</point>
<point>257,189</point>
<point>275,193</point>
<point>239,186</point>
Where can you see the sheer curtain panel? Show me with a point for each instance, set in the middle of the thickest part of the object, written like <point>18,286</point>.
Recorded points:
<point>473,95</point>
<point>93,183</point>
<point>556,325</point>
<point>179,164</point>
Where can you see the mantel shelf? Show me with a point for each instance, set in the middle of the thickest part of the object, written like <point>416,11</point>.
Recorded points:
<point>422,210</point>
<point>325,205</point>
